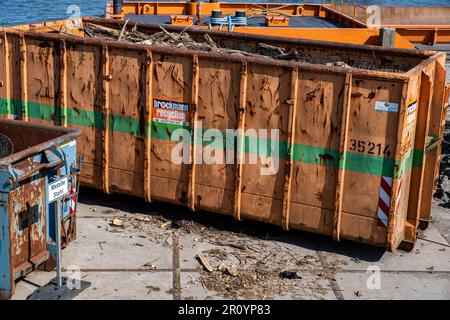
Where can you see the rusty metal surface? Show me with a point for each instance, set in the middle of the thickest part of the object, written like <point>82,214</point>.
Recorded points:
<point>27,139</point>
<point>6,146</point>
<point>319,48</point>
<point>109,87</point>
<point>23,192</point>
<point>27,208</point>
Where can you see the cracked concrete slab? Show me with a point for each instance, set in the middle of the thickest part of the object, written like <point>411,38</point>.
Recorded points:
<point>430,252</point>
<point>96,248</point>
<point>396,285</point>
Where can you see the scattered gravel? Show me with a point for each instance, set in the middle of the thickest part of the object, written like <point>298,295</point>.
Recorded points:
<point>443,186</point>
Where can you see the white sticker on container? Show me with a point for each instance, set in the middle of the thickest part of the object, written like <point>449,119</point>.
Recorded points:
<point>409,127</point>
<point>412,107</point>
<point>411,118</point>
<point>58,189</point>
<point>386,106</point>
<point>170,112</point>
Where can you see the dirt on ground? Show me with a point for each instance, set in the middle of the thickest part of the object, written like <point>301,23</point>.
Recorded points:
<point>259,273</point>
<point>237,265</point>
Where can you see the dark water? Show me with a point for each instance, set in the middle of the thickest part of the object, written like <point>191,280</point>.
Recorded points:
<point>13,12</point>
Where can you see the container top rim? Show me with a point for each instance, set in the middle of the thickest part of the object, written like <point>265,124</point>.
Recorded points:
<point>68,134</point>
<point>305,66</point>
<point>245,36</point>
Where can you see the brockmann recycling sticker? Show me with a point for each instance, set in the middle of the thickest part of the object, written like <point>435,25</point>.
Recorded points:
<point>58,189</point>
<point>171,112</point>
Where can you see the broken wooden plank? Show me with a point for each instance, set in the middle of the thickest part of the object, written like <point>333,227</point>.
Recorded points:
<point>205,263</point>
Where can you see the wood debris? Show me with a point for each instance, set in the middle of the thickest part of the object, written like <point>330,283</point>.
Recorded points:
<point>232,270</point>
<point>166,224</point>
<point>205,263</point>
<point>184,40</point>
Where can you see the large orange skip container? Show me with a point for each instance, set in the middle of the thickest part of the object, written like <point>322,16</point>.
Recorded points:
<point>358,148</point>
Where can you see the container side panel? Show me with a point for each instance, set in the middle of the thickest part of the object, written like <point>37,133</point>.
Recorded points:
<point>374,114</point>
<point>422,117</point>
<point>4,77</point>
<point>435,132</point>
<point>16,82</point>
<point>316,150</point>
<point>27,209</point>
<point>6,268</point>
<point>372,138</point>
<point>403,174</point>
<point>266,126</point>
<point>218,105</point>
<point>84,102</point>
<point>126,124</point>
<point>172,90</point>
<point>107,91</point>
<point>43,82</point>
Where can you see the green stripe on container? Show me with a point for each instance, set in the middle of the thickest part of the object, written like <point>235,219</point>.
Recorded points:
<point>363,163</point>
<point>369,164</point>
<point>417,158</point>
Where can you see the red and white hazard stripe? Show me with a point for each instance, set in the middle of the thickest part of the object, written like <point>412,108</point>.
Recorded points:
<point>384,202</point>
<point>72,202</point>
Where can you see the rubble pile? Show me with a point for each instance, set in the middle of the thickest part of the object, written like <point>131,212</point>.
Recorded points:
<point>184,40</point>
<point>259,270</point>
<point>443,186</point>
<point>232,264</point>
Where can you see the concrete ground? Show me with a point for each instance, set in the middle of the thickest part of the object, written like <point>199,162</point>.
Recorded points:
<point>128,249</point>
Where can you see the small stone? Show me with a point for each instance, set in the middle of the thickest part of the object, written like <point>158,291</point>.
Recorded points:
<point>117,223</point>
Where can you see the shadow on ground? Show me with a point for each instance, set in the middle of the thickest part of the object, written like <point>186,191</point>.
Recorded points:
<point>219,222</point>
<point>67,292</point>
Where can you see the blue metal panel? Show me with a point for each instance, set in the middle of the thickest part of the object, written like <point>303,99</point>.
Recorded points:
<point>24,184</point>
<point>5,257</point>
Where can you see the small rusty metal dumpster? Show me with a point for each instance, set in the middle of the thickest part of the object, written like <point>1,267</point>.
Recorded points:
<point>359,127</point>
<point>38,166</point>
